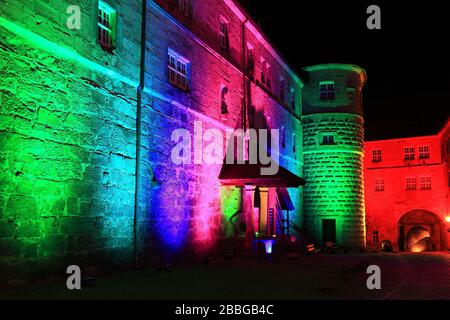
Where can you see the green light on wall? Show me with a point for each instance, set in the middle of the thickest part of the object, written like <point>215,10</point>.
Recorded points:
<point>230,200</point>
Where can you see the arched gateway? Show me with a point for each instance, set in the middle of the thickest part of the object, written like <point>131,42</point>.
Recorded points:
<point>420,231</point>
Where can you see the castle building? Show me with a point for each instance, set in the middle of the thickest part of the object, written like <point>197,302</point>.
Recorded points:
<point>89,111</point>
<point>333,151</point>
<point>407,183</point>
<point>111,112</point>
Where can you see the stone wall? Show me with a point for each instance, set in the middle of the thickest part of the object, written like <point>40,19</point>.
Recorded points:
<point>67,139</point>
<point>333,150</point>
<point>334,175</point>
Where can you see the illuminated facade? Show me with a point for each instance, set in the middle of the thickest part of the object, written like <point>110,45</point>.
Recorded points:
<point>407,183</point>
<point>79,106</point>
<point>333,151</point>
<point>86,123</point>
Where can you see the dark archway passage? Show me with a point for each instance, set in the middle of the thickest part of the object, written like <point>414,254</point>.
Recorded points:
<point>420,231</point>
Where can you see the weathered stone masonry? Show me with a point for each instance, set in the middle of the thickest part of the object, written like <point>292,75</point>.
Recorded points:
<point>67,143</point>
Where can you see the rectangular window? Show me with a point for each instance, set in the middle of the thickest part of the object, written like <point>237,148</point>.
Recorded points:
<point>106,30</point>
<point>224,39</point>
<point>409,153</point>
<point>293,99</point>
<point>424,152</point>
<point>186,7</point>
<point>327,90</point>
<point>294,143</point>
<point>328,140</point>
<point>379,185</point>
<point>268,76</point>
<point>282,93</point>
<point>425,183</point>
<point>411,183</point>
<point>250,60</point>
<point>263,71</point>
<point>178,70</point>
<point>377,156</point>
<point>375,237</point>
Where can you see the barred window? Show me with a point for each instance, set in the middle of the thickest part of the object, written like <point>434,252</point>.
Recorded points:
<point>411,183</point>
<point>178,70</point>
<point>328,140</point>
<point>327,90</point>
<point>424,152</point>
<point>379,185</point>
<point>425,183</point>
<point>106,26</point>
<point>377,155</point>
<point>409,153</point>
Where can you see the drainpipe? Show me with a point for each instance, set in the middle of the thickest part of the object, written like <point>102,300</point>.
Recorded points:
<point>244,75</point>
<point>140,90</point>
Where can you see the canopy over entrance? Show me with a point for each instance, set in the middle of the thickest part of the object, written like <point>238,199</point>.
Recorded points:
<point>240,175</point>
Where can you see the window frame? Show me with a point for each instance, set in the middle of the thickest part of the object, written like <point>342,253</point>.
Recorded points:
<point>409,153</point>
<point>185,7</point>
<point>106,28</point>
<point>425,183</point>
<point>377,155</point>
<point>331,142</point>
<point>180,63</point>
<point>224,34</point>
<point>250,59</point>
<point>293,99</point>
<point>411,183</point>
<point>375,237</point>
<point>424,152</point>
<point>379,185</point>
<point>327,94</point>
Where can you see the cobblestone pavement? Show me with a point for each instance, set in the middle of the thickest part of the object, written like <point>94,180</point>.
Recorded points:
<point>330,277</point>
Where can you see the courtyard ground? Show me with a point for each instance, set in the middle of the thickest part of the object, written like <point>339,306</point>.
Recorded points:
<point>403,276</point>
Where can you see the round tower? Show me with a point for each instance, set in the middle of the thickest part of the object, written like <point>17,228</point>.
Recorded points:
<point>333,148</point>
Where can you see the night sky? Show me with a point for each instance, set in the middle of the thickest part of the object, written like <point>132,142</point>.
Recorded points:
<point>407,61</point>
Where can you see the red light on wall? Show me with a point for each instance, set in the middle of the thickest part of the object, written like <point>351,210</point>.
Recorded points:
<point>447,218</point>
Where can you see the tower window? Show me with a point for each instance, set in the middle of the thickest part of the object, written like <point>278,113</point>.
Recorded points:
<point>424,152</point>
<point>178,70</point>
<point>327,90</point>
<point>377,156</point>
<point>328,140</point>
<point>425,183</point>
<point>409,154</point>
<point>411,184</point>
<point>379,185</point>
<point>106,26</point>
<point>223,33</point>
<point>223,100</point>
